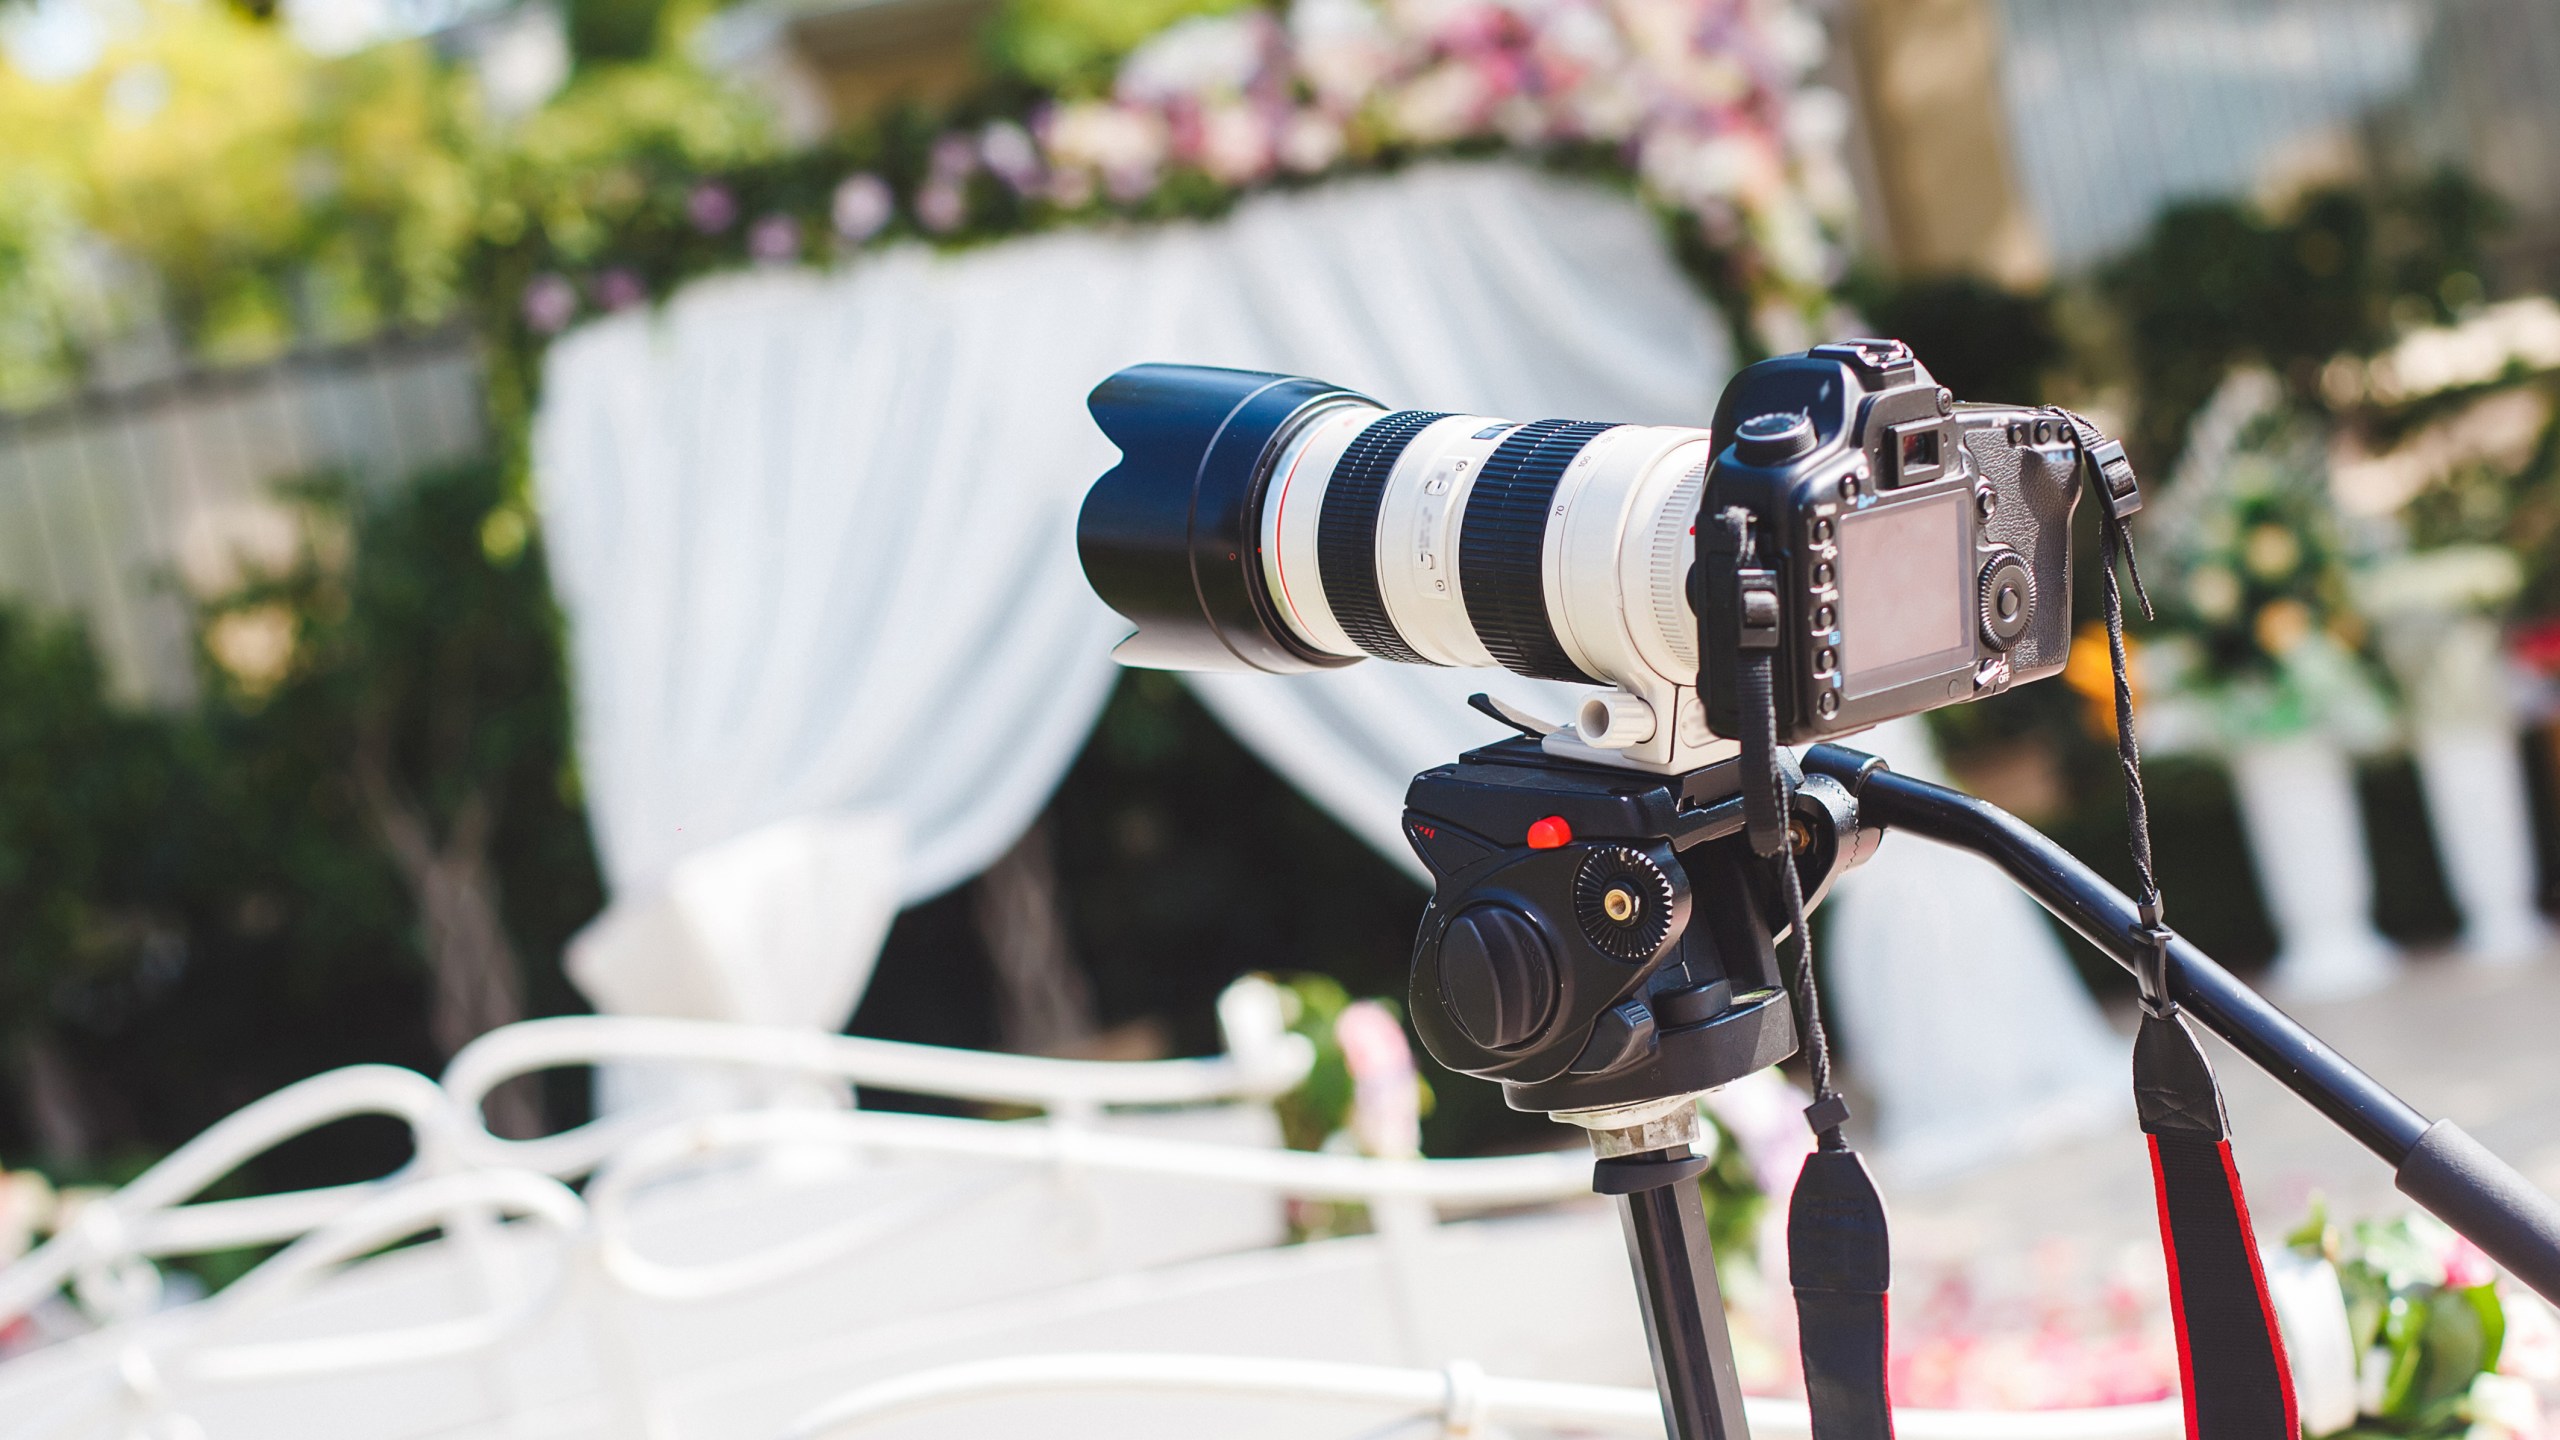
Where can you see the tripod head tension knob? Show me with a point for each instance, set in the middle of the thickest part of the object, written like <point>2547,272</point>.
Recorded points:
<point>1498,974</point>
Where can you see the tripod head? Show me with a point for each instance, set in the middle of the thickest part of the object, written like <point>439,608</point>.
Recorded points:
<point>1598,937</point>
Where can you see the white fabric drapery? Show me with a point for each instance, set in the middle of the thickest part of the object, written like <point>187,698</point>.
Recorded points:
<point>1957,1003</point>
<point>815,533</point>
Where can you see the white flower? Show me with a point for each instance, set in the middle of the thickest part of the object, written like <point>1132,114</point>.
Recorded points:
<point>1207,55</point>
<point>1606,107</point>
<point>861,206</point>
<point>1344,49</point>
<point>1439,105</point>
<point>1688,169</point>
<point>1010,154</point>
<point>1235,144</point>
<point>1117,140</point>
<point>1792,37</point>
<point>2504,1408</point>
<point>1818,119</point>
<point>1791,240</point>
<point>1310,142</point>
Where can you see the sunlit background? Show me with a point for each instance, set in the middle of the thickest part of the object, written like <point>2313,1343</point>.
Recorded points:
<point>513,510</point>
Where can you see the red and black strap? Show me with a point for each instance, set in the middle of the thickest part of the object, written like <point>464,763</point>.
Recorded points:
<point>2231,1361</point>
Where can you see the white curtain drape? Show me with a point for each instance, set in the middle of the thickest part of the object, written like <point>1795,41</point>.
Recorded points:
<point>815,535</point>
<point>1957,1003</point>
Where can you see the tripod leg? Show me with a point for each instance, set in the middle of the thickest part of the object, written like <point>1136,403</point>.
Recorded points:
<point>1683,1311</point>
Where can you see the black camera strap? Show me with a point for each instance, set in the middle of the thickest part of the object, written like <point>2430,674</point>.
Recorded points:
<point>1839,1258</point>
<point>2232,1369</point>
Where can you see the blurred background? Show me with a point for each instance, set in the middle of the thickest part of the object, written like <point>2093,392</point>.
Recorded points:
<point>450,447</point>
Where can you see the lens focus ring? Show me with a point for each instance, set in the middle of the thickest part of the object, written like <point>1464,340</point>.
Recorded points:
<point>1502,548</point>
<point>1347,533</point>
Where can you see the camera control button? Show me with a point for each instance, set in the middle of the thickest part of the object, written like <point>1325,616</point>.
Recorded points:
<point>1822,575</point>
<point>1772,439</point>
<point>2008,600</point>
<point>1497,975</point>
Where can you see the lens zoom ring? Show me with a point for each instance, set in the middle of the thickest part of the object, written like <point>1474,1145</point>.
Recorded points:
<point>1347,533</point>
<point>1502,547</point>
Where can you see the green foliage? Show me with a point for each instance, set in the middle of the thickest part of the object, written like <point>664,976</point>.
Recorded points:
<point>2218,283</point>
<point>1983,342</point>
<point>2433,1332</point>
<point>613,29</point>
<point>83,787</point>
<point>1069,47</point>
<point>1321,1105</point>
<point>225,913</point>
<point>267,194</point>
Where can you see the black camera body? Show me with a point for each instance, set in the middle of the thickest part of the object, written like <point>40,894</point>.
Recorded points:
<point>1562,954</point>
<point>1896,550</point>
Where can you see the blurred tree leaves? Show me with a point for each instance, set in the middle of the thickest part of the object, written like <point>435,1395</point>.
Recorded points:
<point>210,171</point>
<point>2341,271</point>
<point>282,879</point>
<point>1070,47</point>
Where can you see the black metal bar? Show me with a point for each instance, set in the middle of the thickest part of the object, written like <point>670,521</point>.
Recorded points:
<point>2437,1165</point>
<point>1684,1312</point>
<point>2357,1103</point>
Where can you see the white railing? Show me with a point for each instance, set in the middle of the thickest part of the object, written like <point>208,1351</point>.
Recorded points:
<point>1461,1396</point>
<point>526,1247</point>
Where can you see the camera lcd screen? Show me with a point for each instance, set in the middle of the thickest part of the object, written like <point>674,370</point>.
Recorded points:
<point>1902,593</point>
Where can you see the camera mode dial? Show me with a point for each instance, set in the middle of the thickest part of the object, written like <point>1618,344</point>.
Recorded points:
<point>1774,438</point>
<point>2008,600</point>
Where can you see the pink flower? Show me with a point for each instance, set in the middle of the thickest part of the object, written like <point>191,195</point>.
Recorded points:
<point>2465,1265</point>
<point>620,288</point>
<point>774,240</point>
<point>862,207</point>
<point>1311,141</point>
<point>1386,1115</point>
<point>942,205</point>
<point>711,208</point>
<point>1235,144</point>
<point>550,303</point>
<point>953,157</point>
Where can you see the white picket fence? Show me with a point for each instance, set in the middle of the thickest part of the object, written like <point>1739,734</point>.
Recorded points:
<point>114,502</point>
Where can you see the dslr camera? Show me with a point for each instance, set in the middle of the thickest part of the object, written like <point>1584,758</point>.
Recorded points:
<point>1919,547</point>
<point>1600,931</point>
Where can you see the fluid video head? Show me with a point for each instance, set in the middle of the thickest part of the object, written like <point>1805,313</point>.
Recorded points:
<point>1905,551</point>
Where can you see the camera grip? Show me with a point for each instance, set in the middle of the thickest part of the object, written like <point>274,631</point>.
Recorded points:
<point>2463,1184</point>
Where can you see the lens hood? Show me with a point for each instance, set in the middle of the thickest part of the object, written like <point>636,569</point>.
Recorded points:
<point>1181,560</point>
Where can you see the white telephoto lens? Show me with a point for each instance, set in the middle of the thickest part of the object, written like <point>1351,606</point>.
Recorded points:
<point>1371,539</point>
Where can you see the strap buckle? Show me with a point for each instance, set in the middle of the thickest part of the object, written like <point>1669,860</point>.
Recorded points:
<point>2151,966</point>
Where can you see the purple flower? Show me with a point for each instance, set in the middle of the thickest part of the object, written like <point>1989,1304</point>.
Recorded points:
<point>1011,155</point>
<point>942,205</point>
<point>711,208</point>
<point>953,157</point>
<point>550,303</point>
<point>862,207</point>
<point>620,288</point>
<point>774,240</point>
